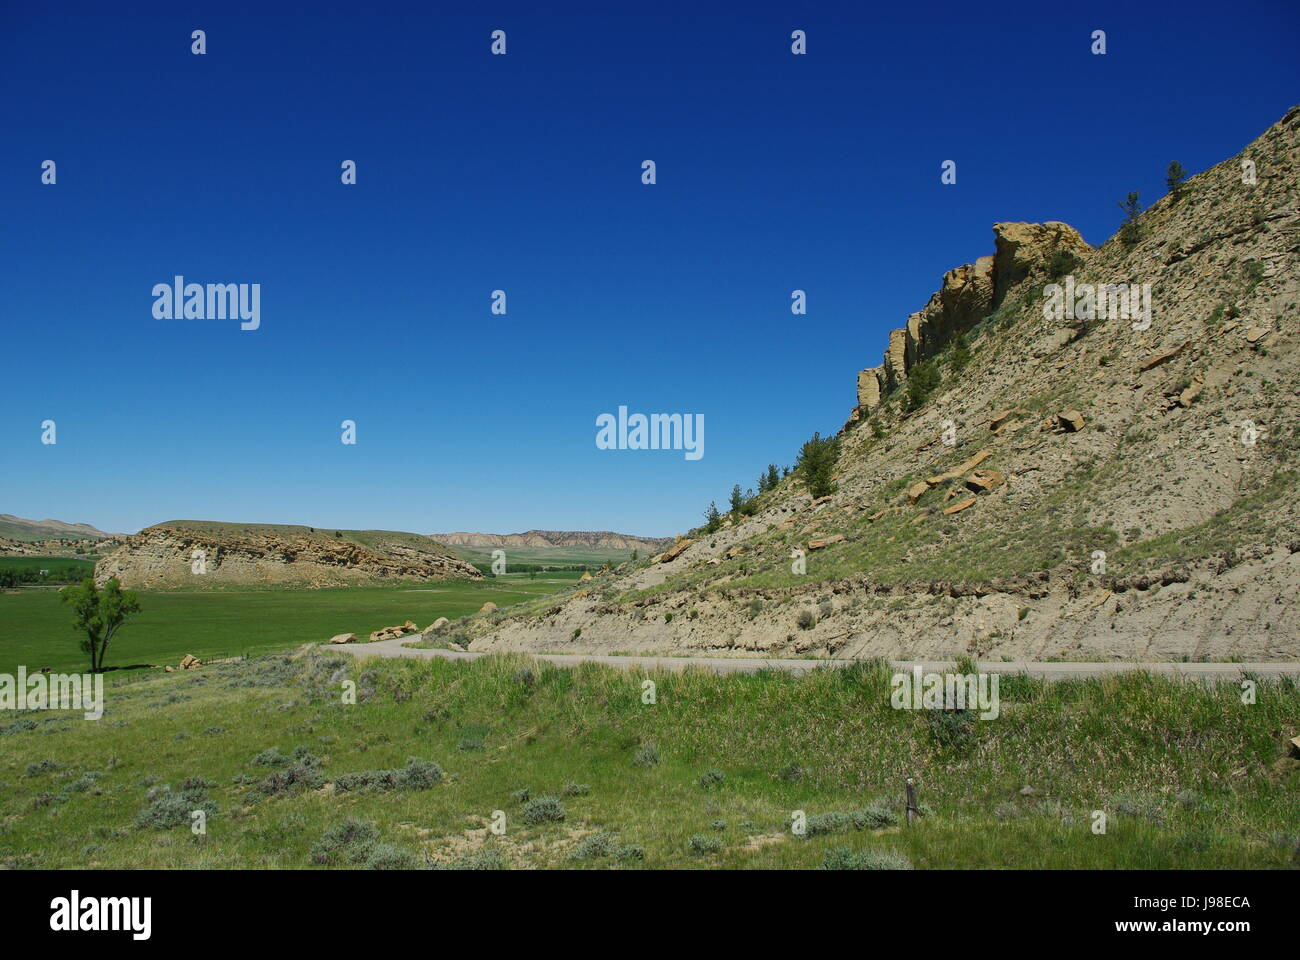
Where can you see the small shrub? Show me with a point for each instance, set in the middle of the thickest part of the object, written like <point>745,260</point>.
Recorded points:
<point>543,810</point>
<point>700,843</point>
<point>647,755</point>
<point>846,858</point>
<point>711,778</point>
<point>416,775</point>
<point>347,842</point>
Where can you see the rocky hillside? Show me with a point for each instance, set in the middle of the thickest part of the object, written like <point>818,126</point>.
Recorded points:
<point>555,538</point>
<point>1025,475</point>
<point>171,554</point>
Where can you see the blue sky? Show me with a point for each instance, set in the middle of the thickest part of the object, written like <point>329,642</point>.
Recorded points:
<point>523,173</point>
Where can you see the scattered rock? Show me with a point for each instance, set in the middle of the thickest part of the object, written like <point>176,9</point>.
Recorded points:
<point>437,625</point>
<point>1256,334</point>
<point>389,633</point>
<point>189,662</point>
<point>344,638</point>
<point>488,607</point>
<point>825,541</point>
<point>960,506</point>
<point>1158,358</point>
<point>917,490</point>
<point>586,575</point>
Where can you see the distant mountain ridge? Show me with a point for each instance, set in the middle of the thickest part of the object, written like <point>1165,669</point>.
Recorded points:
<point>554,538</point>
<point>16,528</point>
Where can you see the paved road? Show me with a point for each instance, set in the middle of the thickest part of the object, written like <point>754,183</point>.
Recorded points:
<point>1049,671</point>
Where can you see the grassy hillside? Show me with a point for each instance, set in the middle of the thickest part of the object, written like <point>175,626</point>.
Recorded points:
<point>374,539</point>
<point>16,528</point>
<point>708,776</point>
<point>38,626</point>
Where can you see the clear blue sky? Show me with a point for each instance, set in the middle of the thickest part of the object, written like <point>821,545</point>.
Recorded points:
<point>523,172</point>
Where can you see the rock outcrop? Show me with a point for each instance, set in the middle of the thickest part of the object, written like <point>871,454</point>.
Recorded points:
<point>200,554</point>
<point>967,295</point>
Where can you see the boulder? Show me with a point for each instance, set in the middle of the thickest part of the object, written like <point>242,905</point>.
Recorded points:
<point>982,481</point>
<point>344,638</point>
<point>189,662</point>
<point>917,490</point>
<point>586,575</point>
<point>491,607</point>
<point>735,551</point>
<point>1071,421</point>
<point>1256,334</point>
<point>825,541</point>
<point>960,505</point>
<point>676,550</point>
<point>437,625</point>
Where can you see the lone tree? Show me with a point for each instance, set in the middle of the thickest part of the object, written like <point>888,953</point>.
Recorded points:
<point>816,464</point>
<point>100,613</point>
<point>712,519</point>
<point>737,500</point>
<point>1129,231</point>
<point>1176,180</point>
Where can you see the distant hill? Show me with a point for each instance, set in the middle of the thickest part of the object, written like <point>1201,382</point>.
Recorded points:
<point>602,539</point>
<point>16,528</point>
<point>272,554</point>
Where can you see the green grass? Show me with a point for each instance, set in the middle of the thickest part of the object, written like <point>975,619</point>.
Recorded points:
<point>1188,776</point>
<point>38,626</point>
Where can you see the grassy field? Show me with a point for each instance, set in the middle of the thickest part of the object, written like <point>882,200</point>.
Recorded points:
<point>61,569</point>
<point>38,626</point>
<point>587,775</point>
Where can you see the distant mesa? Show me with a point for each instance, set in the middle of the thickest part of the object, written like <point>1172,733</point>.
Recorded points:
<point>201,553</point>
<point>554,538</point>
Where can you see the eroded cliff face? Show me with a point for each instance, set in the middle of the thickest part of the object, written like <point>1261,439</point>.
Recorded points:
<point>966,296</point>
<point>1078,487</point>
<point>174,556</point>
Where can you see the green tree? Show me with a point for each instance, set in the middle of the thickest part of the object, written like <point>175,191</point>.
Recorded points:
<point>773,477</point>
<point>634,556</point>
<point>712,519</point>
<point>737,500</point>
<point>1129,230</point>
<point>922,380</point>
<point>816,464</point>
<point>99,614</point>
<point>1176,180</point>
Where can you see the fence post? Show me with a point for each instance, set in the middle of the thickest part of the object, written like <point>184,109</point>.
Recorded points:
<point>912,810</point>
